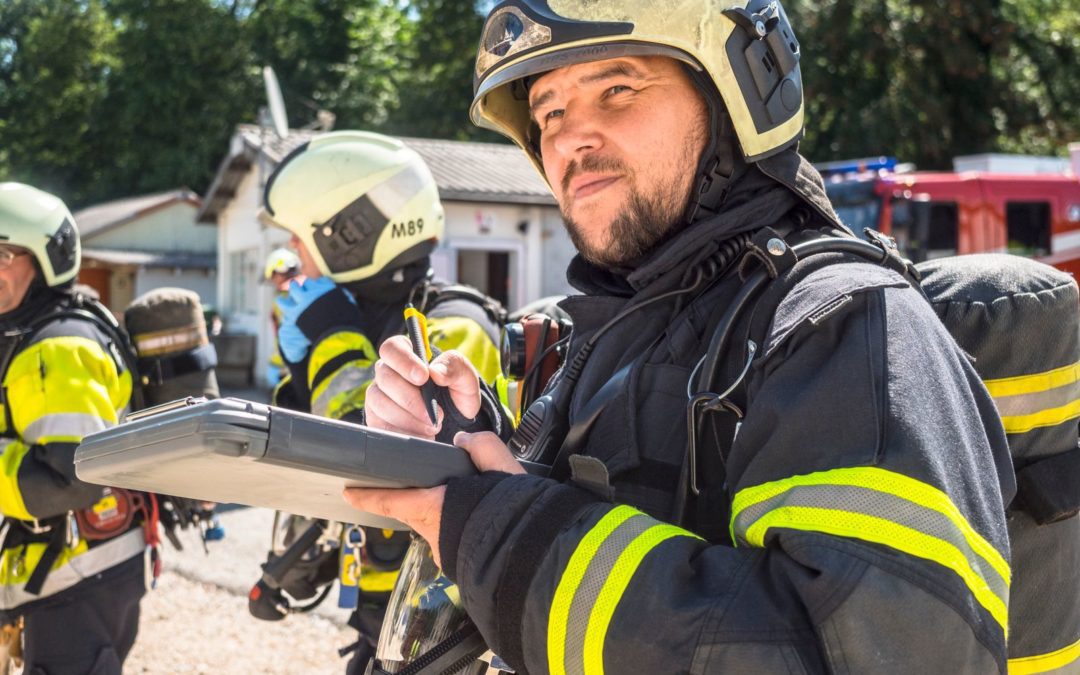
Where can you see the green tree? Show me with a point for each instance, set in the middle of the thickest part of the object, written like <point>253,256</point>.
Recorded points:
<point>184,79</point>
<point>54,62</point>
<point>927,81</point>
<point>437,88</point>
<point>344,56</point>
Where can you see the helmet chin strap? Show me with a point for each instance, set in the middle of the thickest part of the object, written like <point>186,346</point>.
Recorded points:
<point>721,164</point>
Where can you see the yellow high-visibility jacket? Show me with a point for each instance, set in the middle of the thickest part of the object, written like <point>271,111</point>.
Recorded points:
<point>65,382</point>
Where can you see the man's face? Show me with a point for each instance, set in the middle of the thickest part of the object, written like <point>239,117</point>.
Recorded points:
<point>15,276</point>
<point>308,267</point>
<point>620,141</point>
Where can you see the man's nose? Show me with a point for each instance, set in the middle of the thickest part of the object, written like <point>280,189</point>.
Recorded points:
<point>578,132</point>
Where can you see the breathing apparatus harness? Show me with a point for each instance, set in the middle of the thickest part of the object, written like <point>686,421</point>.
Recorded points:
<point>118,509</point>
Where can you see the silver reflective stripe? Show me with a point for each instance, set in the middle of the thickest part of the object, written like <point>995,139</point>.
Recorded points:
<point>346,378</point>
<point>94,561</point>
<point>598,571</point>
<point>393,194</point>
<point>849,499</point>
<point>66,425</point>
<point>1028,404</point>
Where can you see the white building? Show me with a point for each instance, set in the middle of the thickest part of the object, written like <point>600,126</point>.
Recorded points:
<point>137,244</point>
<point>504,234</point>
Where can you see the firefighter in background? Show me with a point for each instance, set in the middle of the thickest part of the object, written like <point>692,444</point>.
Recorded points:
<point>63,379</point>
<point>364,214</point>
<point>282,266</point>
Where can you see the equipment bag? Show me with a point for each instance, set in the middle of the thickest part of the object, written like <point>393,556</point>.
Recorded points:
<point>1020,321</point>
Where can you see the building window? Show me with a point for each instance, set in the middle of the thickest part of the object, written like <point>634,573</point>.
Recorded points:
<point>925,230</point>
<point>243,277</point>
<point>1028,227</point>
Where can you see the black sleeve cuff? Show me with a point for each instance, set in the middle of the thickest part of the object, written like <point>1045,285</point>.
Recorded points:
<point>462,497</point>
<point>331,310</point>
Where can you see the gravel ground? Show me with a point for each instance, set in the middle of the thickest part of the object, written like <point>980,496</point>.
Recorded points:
<point>196,619</point>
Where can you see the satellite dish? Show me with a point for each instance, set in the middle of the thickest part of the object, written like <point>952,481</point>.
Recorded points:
<point>275,102</point>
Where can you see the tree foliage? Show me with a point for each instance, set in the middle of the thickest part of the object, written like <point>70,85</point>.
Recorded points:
<point>55,57</point>
<point>108,98</point>
<point>927,81</point>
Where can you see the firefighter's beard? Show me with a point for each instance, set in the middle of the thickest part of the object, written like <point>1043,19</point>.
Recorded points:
<point>645,219</point>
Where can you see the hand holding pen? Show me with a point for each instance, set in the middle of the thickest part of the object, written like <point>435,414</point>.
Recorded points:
<point>416,325</point>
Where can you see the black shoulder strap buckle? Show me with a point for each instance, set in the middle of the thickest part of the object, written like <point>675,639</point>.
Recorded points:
<point>768,248</point>
<point>893,260</point>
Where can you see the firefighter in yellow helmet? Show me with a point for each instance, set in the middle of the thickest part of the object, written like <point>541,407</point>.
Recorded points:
<point>76,590</point>
<point>823,494</point>
<point>282,266</point>
<point>364,213</point>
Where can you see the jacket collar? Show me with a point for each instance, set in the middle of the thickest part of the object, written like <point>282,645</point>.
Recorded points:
<point>763,196</point>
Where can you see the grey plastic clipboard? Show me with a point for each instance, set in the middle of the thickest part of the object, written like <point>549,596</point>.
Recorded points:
<point>234,451</point>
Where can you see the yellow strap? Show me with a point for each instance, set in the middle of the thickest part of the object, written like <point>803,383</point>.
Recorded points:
<point>1031,384</point>
<point>1029,665</point>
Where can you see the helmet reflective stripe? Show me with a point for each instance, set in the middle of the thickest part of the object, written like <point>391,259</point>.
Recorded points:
<point>41,223</point>
<point>749,52</point>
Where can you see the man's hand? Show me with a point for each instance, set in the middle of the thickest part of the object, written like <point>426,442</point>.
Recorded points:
<point>393,400</point>
<point>421,509</point>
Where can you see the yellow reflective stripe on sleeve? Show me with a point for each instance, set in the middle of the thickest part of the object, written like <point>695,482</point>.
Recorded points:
<point>1038,400</point>
<point>882,507</point>
<point>1045,663</point>
<point>571,579</point>
<point>335,345</point>
<point>613,590</point>
<point>343,391</point>
<point>593,583</point>
<point>63,428</point>
<point>11,500</point>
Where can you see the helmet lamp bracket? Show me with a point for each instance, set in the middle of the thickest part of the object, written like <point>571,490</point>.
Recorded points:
<point>62,248</point>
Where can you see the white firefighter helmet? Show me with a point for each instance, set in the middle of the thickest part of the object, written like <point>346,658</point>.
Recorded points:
<point>746,48</point>
<point>41,223</point>
<point>281,261</point>
<point>360,202</point>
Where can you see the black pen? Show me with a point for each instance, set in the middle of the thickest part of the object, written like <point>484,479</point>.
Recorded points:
<point>416,324</point>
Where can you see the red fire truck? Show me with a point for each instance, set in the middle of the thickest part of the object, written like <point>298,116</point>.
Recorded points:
<point>935,214</point>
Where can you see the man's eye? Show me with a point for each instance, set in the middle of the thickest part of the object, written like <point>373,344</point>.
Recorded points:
<point>617,89</point>
<point>552,114</point>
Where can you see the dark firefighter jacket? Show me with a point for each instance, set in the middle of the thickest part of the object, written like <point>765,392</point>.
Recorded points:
<point>64,383</point>
<point>866,485</point>
<point>340,366</point>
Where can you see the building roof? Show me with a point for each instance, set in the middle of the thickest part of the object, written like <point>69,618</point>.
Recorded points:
<point>107,215</point>
<point>167,259</point>
<point>464,171</point>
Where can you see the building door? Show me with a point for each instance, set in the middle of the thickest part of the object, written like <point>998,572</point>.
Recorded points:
<point>98,279</point>
<point>487,271</point>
